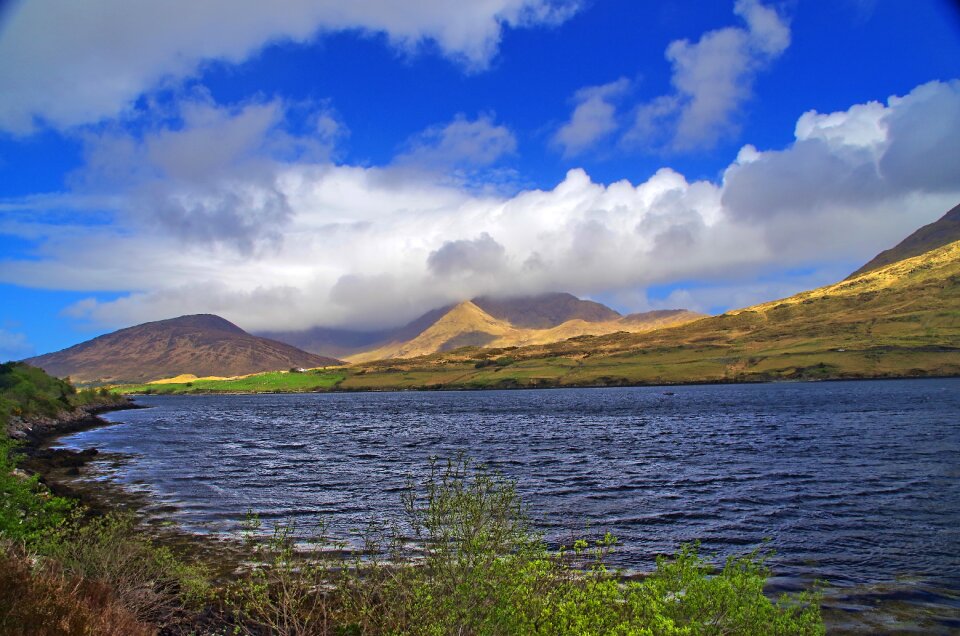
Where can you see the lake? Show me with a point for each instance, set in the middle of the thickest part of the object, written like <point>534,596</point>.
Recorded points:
<point>856,483</point>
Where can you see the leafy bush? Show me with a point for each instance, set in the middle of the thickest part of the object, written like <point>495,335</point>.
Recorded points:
<point>29,391</point>
<point>148,580</point>
<point>26,390</point>
<point>85,565</point>
<point>484,570</point>
<point>28,512</point>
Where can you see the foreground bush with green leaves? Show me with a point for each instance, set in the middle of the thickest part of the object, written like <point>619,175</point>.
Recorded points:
<point>28,512</point>
<point>478,568</point>
<point>484,570</point>
<point>64,572</point>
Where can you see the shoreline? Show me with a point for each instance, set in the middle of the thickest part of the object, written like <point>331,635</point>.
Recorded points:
<point>544,386</point>
<point>65,473</point>
<point>59,469</point>
<point>38,431</point>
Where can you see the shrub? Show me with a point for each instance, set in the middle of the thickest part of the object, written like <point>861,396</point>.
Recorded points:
<point>149,580</point>
<point>282,593</point>
<point>28,512</point>
<point>39,599</point>
<point>484,570</point>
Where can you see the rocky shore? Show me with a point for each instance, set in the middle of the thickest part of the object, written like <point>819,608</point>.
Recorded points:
<point>37,430</point>
<point>56,467</point>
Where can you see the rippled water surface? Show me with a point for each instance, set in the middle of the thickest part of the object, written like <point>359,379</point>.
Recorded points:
<point>855,482</point>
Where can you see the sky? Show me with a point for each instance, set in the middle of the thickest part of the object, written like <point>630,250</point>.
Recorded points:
<point>314,162</point>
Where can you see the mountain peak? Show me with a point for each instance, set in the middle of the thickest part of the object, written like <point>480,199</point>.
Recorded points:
<point>211,322</point>
<point>463,325</point>
<point>941,232</point>
<point>544,311</point>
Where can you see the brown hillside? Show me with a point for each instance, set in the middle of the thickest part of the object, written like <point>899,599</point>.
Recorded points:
<point>545,310</point>
<point>937,234</point>
<point>202,345</point>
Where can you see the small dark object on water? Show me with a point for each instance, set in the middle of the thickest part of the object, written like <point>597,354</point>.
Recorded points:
<point>669,393</point>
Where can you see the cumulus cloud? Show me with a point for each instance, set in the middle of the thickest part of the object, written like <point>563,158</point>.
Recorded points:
<point>67,63</point>
<point>364,246</point>
<point>211,174</point>
<point>712,79</point>
<point>851,170</point>
<point>460,143</point>
<point>593,118</point>
<point>481,256</point>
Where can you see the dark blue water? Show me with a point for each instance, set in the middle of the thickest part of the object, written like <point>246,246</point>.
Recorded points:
<point>854,482</point>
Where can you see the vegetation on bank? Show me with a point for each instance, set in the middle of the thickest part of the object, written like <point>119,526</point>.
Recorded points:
<point>293,381</point>
<point>27,391</point>
<point>475,368</point>
<point>484,570</point>
<point>63,571</point>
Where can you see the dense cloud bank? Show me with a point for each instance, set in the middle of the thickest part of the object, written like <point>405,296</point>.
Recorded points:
<point>231,212</point>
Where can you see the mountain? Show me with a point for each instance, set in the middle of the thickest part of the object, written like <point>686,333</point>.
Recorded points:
<point>545,310</point>
<point>468,325</point>
<point>505,321</point>
<point>899,320</point>
<point>340,343</point>
<point>937,234</point>
<point>201,345</point>
<point>464,325</point>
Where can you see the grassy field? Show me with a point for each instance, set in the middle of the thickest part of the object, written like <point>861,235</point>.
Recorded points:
<point>274,382</point>
<point>899,321</point>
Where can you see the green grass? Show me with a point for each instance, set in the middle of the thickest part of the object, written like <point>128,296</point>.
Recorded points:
<point>273,382</point>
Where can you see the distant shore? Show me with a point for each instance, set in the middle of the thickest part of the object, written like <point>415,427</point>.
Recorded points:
<point>222,387</point>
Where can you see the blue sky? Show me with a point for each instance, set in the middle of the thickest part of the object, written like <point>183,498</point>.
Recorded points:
<point>313,163</point>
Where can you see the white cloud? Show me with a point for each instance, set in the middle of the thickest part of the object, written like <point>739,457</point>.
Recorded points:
<point>67,63</point>
<point>212,177</point>
<point>375,246</point>
<point>482,256</point>
<point>460,143</point>
<point>712,79</point>
<point>593,118</point>
<point>14,346</point>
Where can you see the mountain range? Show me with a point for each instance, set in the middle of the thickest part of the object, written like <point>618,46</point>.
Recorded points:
<point>467,325</point>
<point>542,311</point>
<point>901,308</point>
<point>900,320</point>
